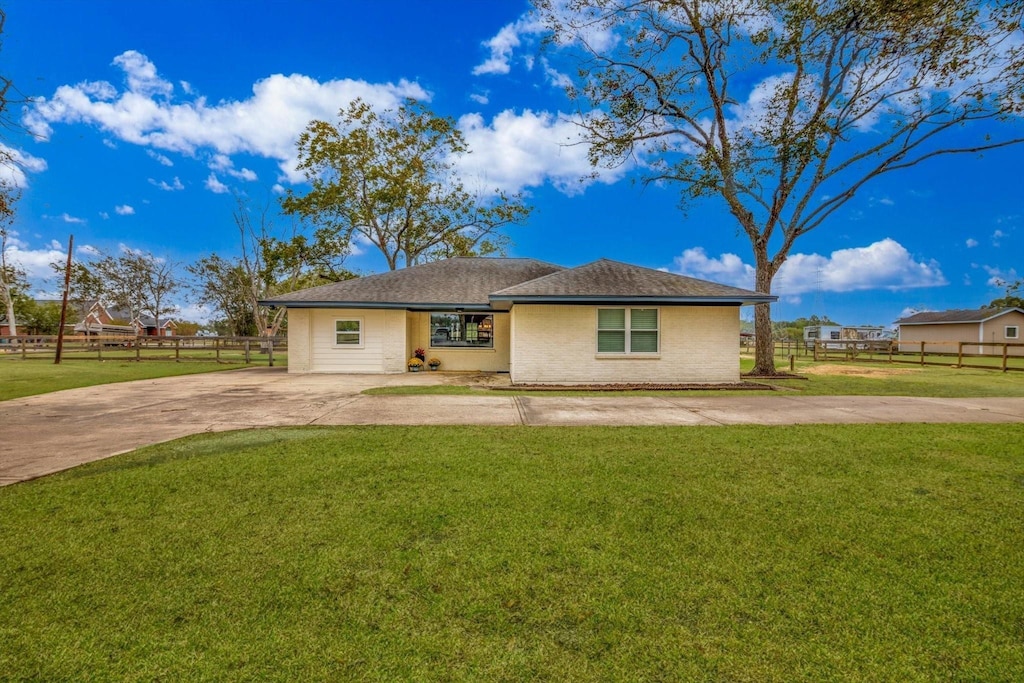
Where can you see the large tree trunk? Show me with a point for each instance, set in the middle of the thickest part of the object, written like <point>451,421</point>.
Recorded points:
<point>764,344</point>
<point>12,322</point>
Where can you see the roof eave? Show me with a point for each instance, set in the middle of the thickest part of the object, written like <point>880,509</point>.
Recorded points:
<point>606,299</point>
<point>398,305</point>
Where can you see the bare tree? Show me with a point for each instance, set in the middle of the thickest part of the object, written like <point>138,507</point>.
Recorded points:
<point>844,92</point>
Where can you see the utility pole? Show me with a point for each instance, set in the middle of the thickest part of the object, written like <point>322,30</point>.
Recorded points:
<point>64,304</point>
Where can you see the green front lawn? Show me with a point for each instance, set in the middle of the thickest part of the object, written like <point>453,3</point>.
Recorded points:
<point>889,552</point>
<point>20,378</point>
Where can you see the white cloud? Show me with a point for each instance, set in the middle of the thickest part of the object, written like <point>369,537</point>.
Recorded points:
<point>167,187</point>
<point>214,185</point>
<point>160,158</point>
<point>555,77</point>
<point>278,188</point>
<point>515,151</point>
<point>104,215</point>
<point>35,262</point>
<point>266,124</point>
<point>107,142</point>
<point>88,250</point>
<point>222,162</point>
<point>479,98</point>
<point>67,218</point>
<point>124,210</point>
<point>501,47</point>
<point>728,269</point>
<point>886,264</point>
<point>971,242</point>
<point>14,163</point>
<point>999,277</point>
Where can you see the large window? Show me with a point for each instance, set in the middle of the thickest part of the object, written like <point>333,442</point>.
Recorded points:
<point>348,332</point>
<point>627,330</point>
<point>462,330</point>
<point>1011,332</point>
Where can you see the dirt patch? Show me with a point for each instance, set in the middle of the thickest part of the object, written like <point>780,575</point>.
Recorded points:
<point>854,371</point>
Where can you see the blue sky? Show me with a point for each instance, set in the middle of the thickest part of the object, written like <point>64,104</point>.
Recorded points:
<point>148,117</point>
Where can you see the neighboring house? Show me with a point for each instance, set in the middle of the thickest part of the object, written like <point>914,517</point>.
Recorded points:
<point>146,326</point>
<point>843,334</point>
<point>994,325</point>
<point>100,322</point>
<point>604,322</point>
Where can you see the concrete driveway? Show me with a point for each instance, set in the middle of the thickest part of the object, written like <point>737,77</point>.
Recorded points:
<point>44,434</point>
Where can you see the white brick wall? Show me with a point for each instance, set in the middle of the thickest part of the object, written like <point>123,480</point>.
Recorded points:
<point>558,345</point>
<point>298,340</point>
<point>311,346</point>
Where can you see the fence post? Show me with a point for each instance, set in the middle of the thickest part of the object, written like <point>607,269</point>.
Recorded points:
<point>99,348</point>
<point>792,363</point>
<point>891,344</point>
<point>960,355</point>
<point>922,353</point>
<point>216,348</point>
<point>177,349</point>
<point>246,351</point>
<point>270,351</point>
<point>815,351</point>
<point>1005,347</point>
<point>24,349</point>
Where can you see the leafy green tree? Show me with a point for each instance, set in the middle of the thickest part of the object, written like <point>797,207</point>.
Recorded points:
<point>844,91</point>
<point>138,283</point>
<point>390,178</point>
<point>1012,298</point>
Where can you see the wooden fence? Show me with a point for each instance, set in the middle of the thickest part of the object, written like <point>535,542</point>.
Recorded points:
<point>248,350</point>
<point>1005,356</point>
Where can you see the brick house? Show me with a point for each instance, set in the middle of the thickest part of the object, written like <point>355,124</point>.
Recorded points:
<point>603,322</point>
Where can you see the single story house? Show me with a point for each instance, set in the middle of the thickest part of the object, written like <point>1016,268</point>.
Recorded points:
<point>603,322</point>
<point>992,325</point>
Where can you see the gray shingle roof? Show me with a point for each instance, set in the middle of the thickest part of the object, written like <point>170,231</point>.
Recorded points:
<point>606,279</point>
<point>955,316</point>
<point>452,282</point>
<point>477,282</point>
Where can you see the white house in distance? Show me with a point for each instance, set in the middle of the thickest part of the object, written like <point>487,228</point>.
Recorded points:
<point>603,322</point>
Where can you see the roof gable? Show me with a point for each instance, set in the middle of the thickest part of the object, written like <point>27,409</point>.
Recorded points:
<point>978,315</point>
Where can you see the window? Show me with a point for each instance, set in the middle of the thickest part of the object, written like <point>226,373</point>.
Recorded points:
<point>627,330</point>
<point>462,330</point>
<point>348,332</point>
<point>1011,332</point>
<point>833,335</point>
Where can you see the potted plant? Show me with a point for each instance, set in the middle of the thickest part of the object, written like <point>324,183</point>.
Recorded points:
<point>421,354</point>
<point>415,365</point>
<point>434,364</point>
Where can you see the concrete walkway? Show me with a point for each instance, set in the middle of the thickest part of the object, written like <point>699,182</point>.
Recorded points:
<point>43,434</point>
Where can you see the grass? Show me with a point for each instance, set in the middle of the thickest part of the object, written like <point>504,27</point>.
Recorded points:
<point>373,553</point>
<point>32,377</point>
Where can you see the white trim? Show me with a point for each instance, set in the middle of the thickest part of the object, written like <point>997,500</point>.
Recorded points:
<point>361,333</point>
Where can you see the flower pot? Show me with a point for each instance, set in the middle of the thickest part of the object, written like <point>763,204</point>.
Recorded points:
<point>414,368</point>
<point>433,368</point>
